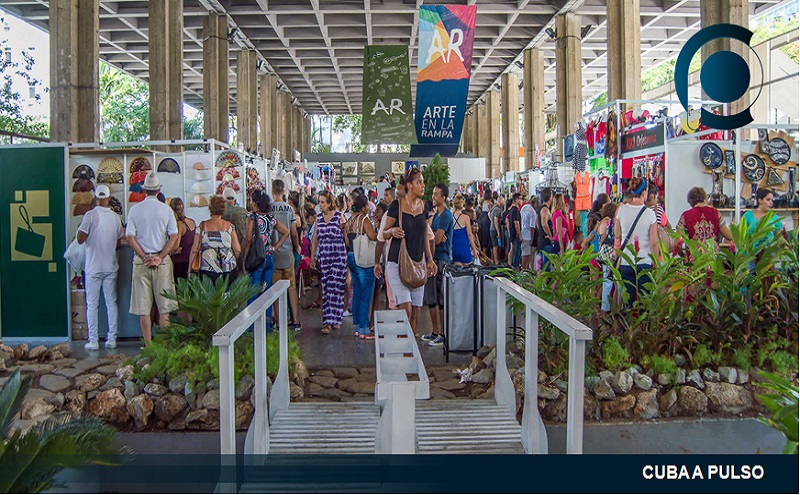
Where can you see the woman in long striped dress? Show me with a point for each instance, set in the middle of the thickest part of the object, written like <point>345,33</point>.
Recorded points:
<point>328,242</point>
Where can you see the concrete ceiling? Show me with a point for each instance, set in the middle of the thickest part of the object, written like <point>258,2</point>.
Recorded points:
<point>316,46</point>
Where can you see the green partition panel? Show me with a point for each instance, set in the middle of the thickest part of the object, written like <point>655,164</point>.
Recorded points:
<point>33,272</point>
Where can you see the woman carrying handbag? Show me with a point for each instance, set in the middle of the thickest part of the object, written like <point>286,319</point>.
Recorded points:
<point>360,239</point>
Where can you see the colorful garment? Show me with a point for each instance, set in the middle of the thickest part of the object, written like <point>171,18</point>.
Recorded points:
<point>332,266</point>
<point>217,253</point>
<point>265,224</point>
<point>701,223</point>
<point>583,200</point>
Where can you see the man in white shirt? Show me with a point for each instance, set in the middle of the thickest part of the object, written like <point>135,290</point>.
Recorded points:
<point>152,234</point>
<point>101,230</point>
<point>528,223</point>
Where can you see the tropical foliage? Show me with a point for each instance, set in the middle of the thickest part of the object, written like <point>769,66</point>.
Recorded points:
<point>783,405</point>
<point>437,172</point>
<point>30,461</point>
<point>723,307</point>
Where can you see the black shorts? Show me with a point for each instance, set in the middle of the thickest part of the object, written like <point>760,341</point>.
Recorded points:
<point>434,290</point>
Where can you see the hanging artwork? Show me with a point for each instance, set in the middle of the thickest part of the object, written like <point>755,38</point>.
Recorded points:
<point>386,101</point>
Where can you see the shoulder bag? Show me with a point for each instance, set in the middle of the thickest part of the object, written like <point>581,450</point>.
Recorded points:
<point>628,237</point>
<point>197,259</point>
<point>364,248</point>
<point>258,251</point>
<point>413,274</point>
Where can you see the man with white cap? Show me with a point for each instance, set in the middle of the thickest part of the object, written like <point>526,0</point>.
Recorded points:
<point>238,217</point>
<point>152,234</point>
<point>101,230</point>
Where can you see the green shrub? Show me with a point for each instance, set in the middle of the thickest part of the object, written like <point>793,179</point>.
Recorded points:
<point>615,357</point>
<point>783,363</point>
<point>784,408</point>
<point>703,356</point>
<point>660,364</point>
<point>742,358</point>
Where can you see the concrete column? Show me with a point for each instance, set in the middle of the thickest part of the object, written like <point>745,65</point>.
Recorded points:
<point>729,12</point>
<point>165,30</point>
<point>246,100</point>
<point>280,128</point>
<point>493,131</point>
<point>216,102</point>
<point>510,94</point>
<point>306,135</point>
<point>624,50</point>
<point>266,109</point>
<point>482,135</point>
<point>74,55</point>
<point>568,75</point>
<point>533,68</point>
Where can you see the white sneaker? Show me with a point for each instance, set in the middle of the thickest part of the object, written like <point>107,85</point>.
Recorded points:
<point>346,314</point>
<point>111,344</point>
<point>92,345</point>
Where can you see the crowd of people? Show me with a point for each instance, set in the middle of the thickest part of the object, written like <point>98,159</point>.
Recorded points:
<point>361,248</point>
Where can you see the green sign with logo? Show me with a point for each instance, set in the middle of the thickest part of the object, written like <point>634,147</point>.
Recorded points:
<point>388,117</point>
<point>33,272</point>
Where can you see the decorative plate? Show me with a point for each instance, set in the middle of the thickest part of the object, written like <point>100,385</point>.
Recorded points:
<point>110,165</point>
<point>169,165</point>
<point>83,172</point>
<point>730,162</point>
<point>140,163</point>
<point>779,151</point>
<point>228,183</point>
<point>229,159</point>
<point>711,155</point>
<point>774,178</point>
<point>115,205</point>
<point>221,173</point>
<point>763,135</point>
<point>754,168</point>
<point>110,178</point>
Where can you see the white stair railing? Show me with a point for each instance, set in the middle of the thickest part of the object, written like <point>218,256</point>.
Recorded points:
<point>224,339</point>
<point>534,436</point>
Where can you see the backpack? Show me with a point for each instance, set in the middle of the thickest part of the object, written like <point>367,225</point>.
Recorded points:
<point>258,250</point>
<point>484,226</point>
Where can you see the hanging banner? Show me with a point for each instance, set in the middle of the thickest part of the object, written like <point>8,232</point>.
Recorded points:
<point>445,60</point>
<point>386,101</point>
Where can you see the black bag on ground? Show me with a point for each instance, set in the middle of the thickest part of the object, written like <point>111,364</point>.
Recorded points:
<point>484,226</point>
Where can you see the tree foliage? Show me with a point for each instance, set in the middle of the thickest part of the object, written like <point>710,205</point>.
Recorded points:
<point>436,173</point>
<point>124,106</point>
<point>351,124</point>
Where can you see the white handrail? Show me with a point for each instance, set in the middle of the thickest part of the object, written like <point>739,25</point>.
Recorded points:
<point>534,437</point>
<point>254,313</point>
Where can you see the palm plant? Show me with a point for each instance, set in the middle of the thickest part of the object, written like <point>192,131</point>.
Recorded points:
<point>30,461</point>
<point>784,408</point>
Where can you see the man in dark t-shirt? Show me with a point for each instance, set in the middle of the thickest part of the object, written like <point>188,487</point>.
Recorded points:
<point>514,230</point>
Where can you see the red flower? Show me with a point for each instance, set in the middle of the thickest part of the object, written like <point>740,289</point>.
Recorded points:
<point>732,247</point>
<point>708,276</point>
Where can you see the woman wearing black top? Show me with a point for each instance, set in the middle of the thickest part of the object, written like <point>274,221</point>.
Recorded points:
<point>414,231</point>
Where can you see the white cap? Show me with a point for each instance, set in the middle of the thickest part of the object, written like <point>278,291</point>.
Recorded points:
<point>102,192</point>
<point>151,182</point>
<point>228,193</point>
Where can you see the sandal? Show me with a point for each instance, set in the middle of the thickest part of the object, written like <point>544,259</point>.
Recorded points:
<point>367,336</point>
<point>326,330</point>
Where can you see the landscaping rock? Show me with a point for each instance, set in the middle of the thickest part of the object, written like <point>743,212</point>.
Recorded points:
<point>36,353</point>
<point>491,359</point>
<point>108,369</point>
<point>591,408</point>
<point>617,408</point>
<point>663,379</point>
<point>36,369</point>
<point>2,364</point>
<point>365,377</point>
<point>33,408</point>
<point>344,372</point>
<point>477,391</point>
<point>178,423</point>
<point>315,388</point>
<point>680,377</point>
<point>54,383</point>
<point>368,371</point>
<point>635,369</point>
<point>140,407</point>
<point>110,406</point>
<point>6,353</point>
<point>125,372</point>
<point>603,390</point>
<point>295,392</point>
<point>87,364</point>
<point>178,384</point>
<point>170,405</point>
<point>202,419</point>
<point>556,410</point>
<point>20,352</point>
<point>691,402</point>
<point>346,383</point>
<point>92,394</point>
<point>483,351</point>
<point>667,402</point>
<point>514,361</point>
<point>644,382</point>
<point>68,372</point>
<point>591,382</point>
<point>622,382</point>
<point>325,381</point>
<point>442,375</point>
<point>727,374</point>
<point>646,405</point>
<point>366,388</point>
<point>322,373</point>
<point>693,378</point>
<point>63,362</point>
<point>211,399</point>
<point>62,348</point>
<point>710,375</point>
<point>131,389</point>
<point>476,365</point>
<point>212,384</point>
<point>155,390</point>
<point>440,393</point>
<point>541,376</point>
<point>562,385</point>
<point>245,387</point>
<point>300,371</point>
<point>113,382</point>
<point>680,360</point>
<point>484,376</point>
<point>450,385</point>
<point>331,394</point>
<point>607,375</point>
<point>75,401</point>
<point>742,376</point>
<point>92,381</point>
<point>549,393</point>
<point>56,400</point>
<point>728,398</point>
<point>243,414</point>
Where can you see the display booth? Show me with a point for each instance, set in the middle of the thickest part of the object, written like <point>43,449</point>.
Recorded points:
<point>49,187</point>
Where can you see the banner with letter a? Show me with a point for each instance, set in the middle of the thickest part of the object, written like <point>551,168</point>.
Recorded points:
<point>386,101</point>
<point>443,69</point>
